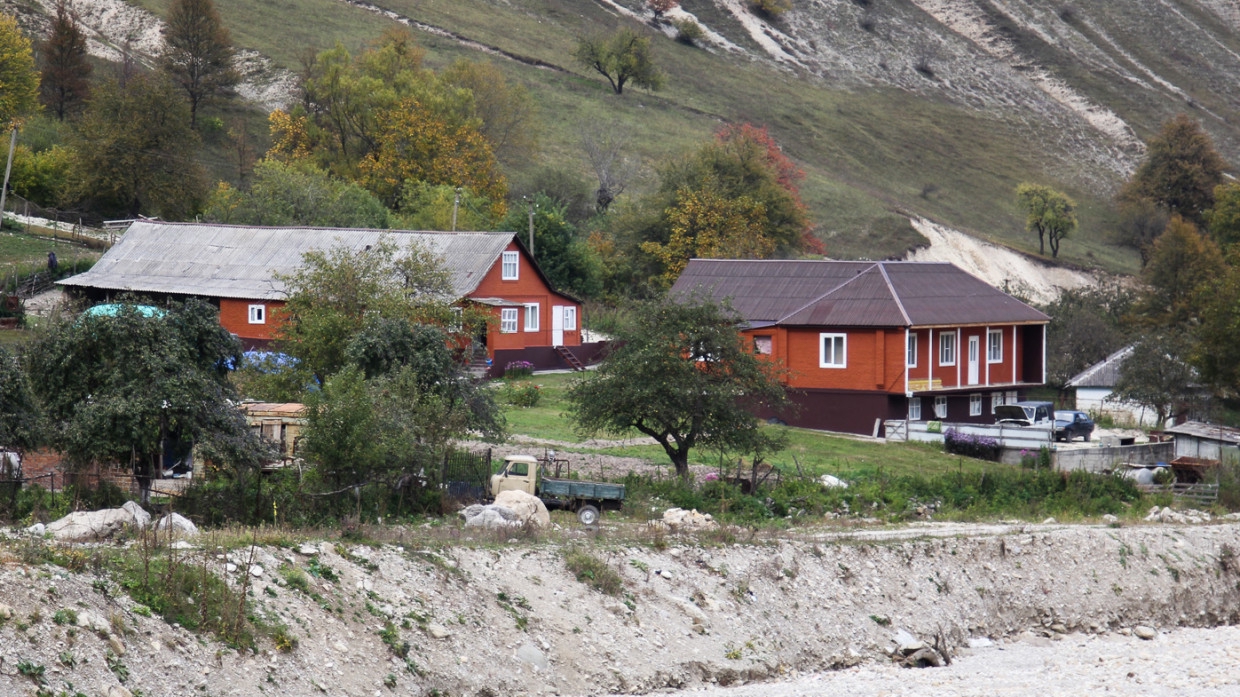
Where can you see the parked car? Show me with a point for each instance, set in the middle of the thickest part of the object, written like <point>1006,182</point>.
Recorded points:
<point>1070,424</point>
<point>1025,413</point>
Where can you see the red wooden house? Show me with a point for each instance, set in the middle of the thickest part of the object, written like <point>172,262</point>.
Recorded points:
<point>868,341</point>
<point>237,267</point>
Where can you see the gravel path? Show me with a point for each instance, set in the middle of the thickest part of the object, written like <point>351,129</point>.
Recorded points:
<point>1198,662</point>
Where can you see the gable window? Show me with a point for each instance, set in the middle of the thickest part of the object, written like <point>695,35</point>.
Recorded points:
<point>258,314</point>
<point>947,349</point>
<point>910,359</point>
<point>832,350</point>
<point>975,405</point>
<point>531,317</point>
<point>508,320</point>
<point>762,345</point>
<point>994,346</point>
<point>940,407</point>
<point>570,318</point>
<point>914,409</point>
<point>509,266</point>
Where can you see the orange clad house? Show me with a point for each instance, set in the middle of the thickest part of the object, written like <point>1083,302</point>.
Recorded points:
<point>864,342</point>
<point>236,268</point>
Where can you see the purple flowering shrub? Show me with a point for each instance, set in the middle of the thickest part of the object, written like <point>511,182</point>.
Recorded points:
<point>980,447</point>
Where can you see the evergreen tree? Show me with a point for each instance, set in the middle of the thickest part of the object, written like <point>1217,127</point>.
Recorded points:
<point>66,72</point>
<point>198,53</point>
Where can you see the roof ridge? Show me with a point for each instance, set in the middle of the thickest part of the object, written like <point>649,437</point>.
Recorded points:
<point>824,295</point>
<point>320,228</point>
<point>882,268</point>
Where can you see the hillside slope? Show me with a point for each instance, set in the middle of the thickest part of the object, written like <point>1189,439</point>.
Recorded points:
<point>895,108</point>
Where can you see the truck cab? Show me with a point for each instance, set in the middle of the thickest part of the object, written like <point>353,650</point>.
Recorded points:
<point>519,473</point>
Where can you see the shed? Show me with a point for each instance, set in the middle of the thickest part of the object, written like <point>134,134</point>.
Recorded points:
<point>1194,439</point>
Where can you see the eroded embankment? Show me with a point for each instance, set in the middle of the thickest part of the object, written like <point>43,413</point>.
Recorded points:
<point>510,618</point>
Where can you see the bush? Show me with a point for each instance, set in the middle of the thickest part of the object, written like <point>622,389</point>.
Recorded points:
<point>770,9</point>
<point>522,394</point>
<point>593,571</point>
<point>980,447</point>
<point>688,31</point>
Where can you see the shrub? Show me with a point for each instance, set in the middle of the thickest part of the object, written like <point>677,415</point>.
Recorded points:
<point>516,370</point>
<point>980,447</point>
<point>522,394</point>
<point>593,572</point>
<point>770,9</point>
<point>688,31</point>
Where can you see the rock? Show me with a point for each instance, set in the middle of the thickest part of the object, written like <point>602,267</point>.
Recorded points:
<point>980,642</point>
<point>6,612</point>
<point>37,529</point>
<point>1059,628</point>
<point>489,517</point>
<point>118,691</point>
<point>528,653</point>
<point>528,507</point>
<point>141,518</point>
<point>665,574</point>
<point>256,570</point>
<point>1108,518</point>
<point>831,482</point>
<point>117,646</point>
<point>178,523</point>
<point>230,567</point>
<point>1049,521</point>
<point>307,550</point>
<point>1146,633</point>
<point>90,525</point>
<point>678,519</point>
<point>182,544</point>
<point>924,658</point>
<point>437,631</point>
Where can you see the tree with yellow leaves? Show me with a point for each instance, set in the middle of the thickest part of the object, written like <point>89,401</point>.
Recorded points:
<point>705,224</point>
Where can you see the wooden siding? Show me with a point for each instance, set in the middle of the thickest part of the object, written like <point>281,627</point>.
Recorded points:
<point>1011,369</point>
<point>527,288</point>
<point>874,358</point>
<point>235,317</point>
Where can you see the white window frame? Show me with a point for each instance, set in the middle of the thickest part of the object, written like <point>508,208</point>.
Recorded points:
<point>940,408</point>
<point>258,314</point>
<point>510,266</point>
<point>531,317</point>
<point>837,361</point>
<point>570,318</point>
<point>457,324</point>
<point>910,351</point>
<point>975,405</point>
<point>947,348</point>
<point>996,400</point>
<point>508,320</point>
<point>993,355</point>
<point>914,409</point>
<point>760,339</point>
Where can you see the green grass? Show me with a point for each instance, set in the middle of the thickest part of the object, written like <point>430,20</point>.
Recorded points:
<point>815,451</point>
<point>870,155</point>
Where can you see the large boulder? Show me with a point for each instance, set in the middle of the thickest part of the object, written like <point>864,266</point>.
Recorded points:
<point>179,524</point>
<point>82,526</point>
<point>529,508</point>
<point>680,520</point>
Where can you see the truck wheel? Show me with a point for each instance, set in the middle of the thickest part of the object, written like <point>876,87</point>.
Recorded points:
<point>588,515</point>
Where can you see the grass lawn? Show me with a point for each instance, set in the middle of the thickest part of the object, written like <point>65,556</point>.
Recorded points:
<point>816,452</point>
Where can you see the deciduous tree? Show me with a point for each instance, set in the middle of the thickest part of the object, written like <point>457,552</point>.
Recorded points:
<point>1216,354</point>
<point>621,57</point>
<point>706,224</point>
<point>20,422</point>
<point>19,95</point>
<point>1224,217</point>
<point>66,70</point>
<point>136,152</point>
<point>198,53</point>
<point>507,113</point>
<point>1180,170</point>
<point>1141,221</point>
<point>1048,212</point>
<point>117,388</point>
<point>1182,260</point>
<point>1157,375</point>
<point>569,263</point>
<point>1086,326</point>
<point>682,375</point>
<point>296,193</point>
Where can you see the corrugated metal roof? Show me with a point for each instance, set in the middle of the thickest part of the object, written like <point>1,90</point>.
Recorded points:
<point>1104,373</point>
<point>852,293</point>
<point>1197,429</point>
<point>229,261</point>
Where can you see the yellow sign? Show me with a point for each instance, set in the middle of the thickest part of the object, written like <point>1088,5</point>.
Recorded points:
<point>925,385</point>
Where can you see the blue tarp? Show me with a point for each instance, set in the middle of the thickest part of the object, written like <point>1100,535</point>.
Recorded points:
<point>114,309</point>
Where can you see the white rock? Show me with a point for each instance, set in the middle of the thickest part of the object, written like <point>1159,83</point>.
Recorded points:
<point>182,544</point>
<point>118,691</point>
<point>256,570</point>
<point>1144,632</point>
<point>117,646</point>
<point>1108,518</point>
<point>679,519</point>
<point>141,518</point>
<point>90,525</point>
<point>230,567</point>
<point>529,508</point>
<point>831,482</point>
<point>665,574</point>
<point>37,529</point>
<point>308,550</point>
<point>980,642</point>
<point>6,612</point>
<point>438,631</point>
<point>178,523</point>
<point>528,653</point>
<point>1049,521</point>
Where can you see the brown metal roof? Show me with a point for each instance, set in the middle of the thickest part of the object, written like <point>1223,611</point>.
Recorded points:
<point>852,293</point>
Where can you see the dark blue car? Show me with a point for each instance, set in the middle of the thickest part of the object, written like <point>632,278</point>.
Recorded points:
<point>1070,424</point>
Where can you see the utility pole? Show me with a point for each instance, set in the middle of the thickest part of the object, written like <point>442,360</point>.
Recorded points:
<point>7,168</point>
<point>456,203</point>
<point>531,228</point>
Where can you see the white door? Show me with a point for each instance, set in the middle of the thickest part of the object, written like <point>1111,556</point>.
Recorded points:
<point>975,350</point>
<point>557,325</point>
